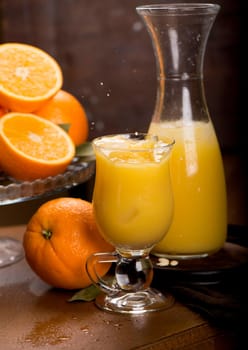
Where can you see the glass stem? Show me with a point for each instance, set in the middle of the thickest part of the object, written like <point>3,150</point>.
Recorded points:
<point>134,273</point>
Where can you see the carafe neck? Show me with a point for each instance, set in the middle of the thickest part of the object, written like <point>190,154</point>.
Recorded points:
<point>179,34</point>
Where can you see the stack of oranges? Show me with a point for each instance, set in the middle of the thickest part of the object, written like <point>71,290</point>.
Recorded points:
<point>62,233</point>
<point>33,106</point>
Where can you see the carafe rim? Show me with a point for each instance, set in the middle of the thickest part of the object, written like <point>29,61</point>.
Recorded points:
<point>179,8</point>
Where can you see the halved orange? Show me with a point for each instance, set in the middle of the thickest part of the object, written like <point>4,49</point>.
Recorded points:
<point>33,147</point>
<point>29,76</point>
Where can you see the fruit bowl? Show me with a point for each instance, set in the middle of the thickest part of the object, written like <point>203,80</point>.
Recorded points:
<point>14,191</point>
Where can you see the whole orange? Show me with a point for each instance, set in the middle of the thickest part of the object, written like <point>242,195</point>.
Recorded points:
<point>59,238</point>
<point>3,111</point>
<point>64,108</point>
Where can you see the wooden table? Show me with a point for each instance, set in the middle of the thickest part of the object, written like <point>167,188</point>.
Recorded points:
<point>34,315</point>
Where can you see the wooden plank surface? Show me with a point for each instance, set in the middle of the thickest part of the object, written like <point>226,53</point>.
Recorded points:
<point>34,315</point>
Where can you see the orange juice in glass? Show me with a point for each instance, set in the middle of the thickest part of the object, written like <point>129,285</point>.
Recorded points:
<point>132,200</point>
<point>133,207</point>
<point>199,224</point>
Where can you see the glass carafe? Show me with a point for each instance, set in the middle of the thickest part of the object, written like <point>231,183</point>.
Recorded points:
<point>179,34</point>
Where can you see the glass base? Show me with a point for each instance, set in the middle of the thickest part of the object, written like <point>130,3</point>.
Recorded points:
<point>137,303</point>
<point>178,256</point>
<point>11,251</point>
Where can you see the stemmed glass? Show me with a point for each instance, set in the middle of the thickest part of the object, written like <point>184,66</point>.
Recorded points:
<point>133,207</point>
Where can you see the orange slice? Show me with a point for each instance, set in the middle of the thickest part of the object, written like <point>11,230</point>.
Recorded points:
<point>33,147</point>
<point>28,77</point>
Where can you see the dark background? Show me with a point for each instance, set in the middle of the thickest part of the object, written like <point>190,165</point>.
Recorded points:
<point>109,65</point>
<point>108,62</point>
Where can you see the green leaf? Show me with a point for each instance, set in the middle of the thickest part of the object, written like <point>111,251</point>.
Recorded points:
<point>66,127</point>
<point>85,150</point>
<point>86,294</point>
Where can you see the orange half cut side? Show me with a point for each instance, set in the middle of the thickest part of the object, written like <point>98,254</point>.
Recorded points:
<point>29,77</point>
<point>33,147</point>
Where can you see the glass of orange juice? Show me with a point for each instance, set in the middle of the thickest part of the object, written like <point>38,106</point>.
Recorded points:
<point>133,207</point>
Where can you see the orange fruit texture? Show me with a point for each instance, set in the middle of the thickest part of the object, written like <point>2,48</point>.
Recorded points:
<point>29,76</point>
<point>64,108</point>
<point>33,147</point>
<point>59,238</point>
<point>3,111</point>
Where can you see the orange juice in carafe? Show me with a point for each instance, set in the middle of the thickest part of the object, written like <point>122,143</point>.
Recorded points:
<point>179,34</point>
<point>199,224</point>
